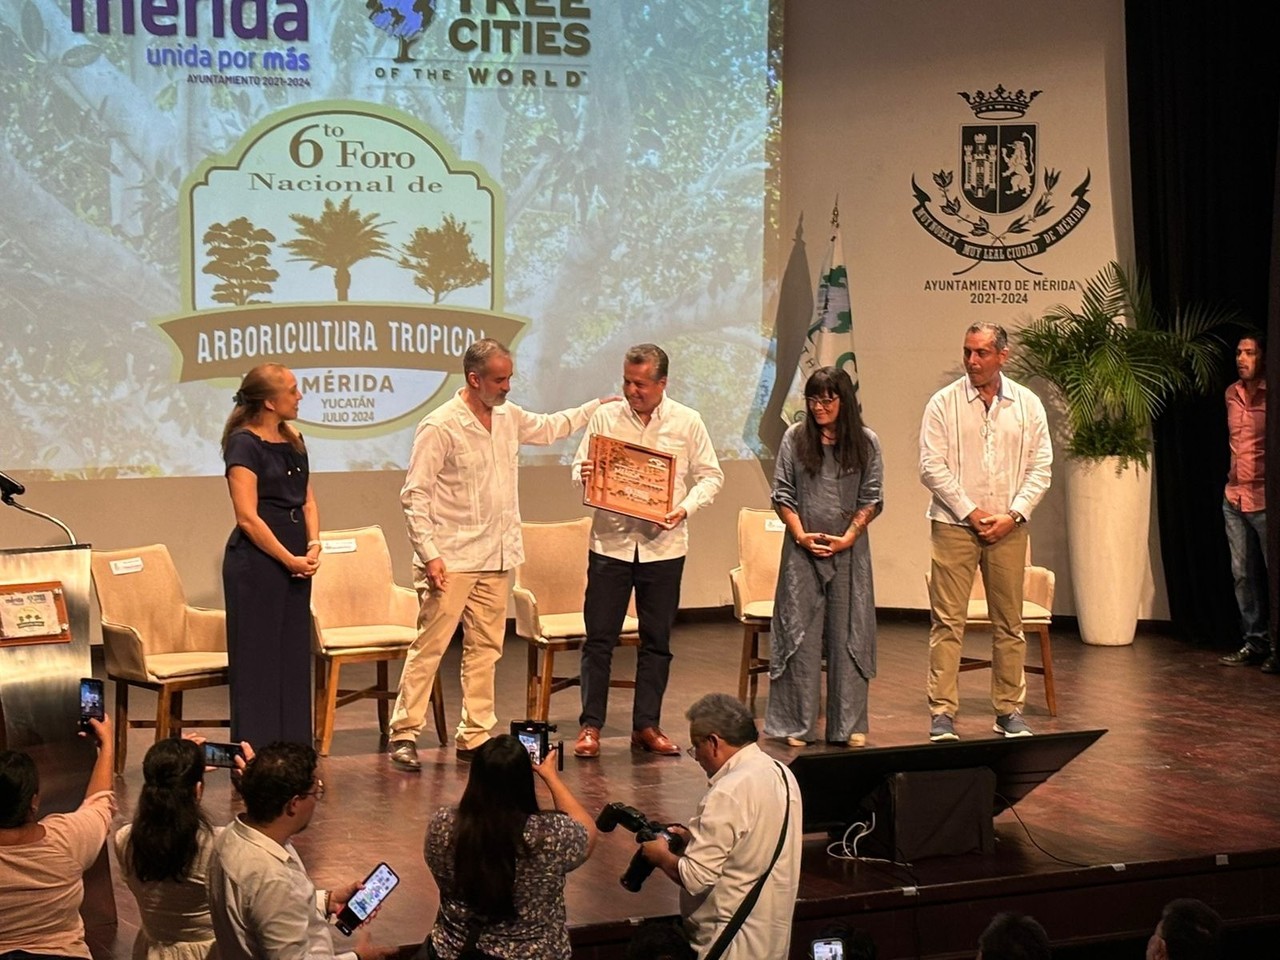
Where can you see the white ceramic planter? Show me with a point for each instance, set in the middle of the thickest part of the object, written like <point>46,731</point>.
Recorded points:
<point>1108,513</point>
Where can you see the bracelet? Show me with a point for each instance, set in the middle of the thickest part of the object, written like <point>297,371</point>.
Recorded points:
<point>313,543</point>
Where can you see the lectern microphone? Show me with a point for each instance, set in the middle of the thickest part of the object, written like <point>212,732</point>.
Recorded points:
<point>10,487</point>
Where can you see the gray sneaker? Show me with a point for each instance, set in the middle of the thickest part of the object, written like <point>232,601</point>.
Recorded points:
<point>942,727</point>
<point>404,755</point>
<point>1012,725</point>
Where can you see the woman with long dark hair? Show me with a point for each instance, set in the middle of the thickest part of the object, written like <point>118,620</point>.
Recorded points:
<point>164,854</point>
<point>269,561</point>
<point>827,490</point>
<point>500,862</point>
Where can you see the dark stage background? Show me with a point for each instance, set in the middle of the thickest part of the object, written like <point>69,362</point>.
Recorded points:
<point>1204,100</point>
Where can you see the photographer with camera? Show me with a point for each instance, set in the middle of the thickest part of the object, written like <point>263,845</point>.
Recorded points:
<point>500,862</point>
<point>740,866</point>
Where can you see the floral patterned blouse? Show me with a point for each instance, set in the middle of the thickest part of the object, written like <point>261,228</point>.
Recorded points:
<point>557,845</point>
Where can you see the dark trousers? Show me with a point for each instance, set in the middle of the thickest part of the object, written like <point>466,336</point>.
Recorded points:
<point>609,586</point>
<point>268,639</point>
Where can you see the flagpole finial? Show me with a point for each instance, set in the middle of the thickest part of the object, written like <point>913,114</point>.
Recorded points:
<point>835,214</point>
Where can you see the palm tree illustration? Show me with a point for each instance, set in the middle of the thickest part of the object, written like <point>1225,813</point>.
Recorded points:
<point>338,239</point>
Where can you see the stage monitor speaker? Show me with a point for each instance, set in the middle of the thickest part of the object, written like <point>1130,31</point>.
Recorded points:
<point>835,784</point>
<point>932,813</point>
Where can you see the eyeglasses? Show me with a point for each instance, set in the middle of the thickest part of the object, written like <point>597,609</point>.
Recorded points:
<point>692,750</point>
<point>826,403</point>
<point>318,792</point>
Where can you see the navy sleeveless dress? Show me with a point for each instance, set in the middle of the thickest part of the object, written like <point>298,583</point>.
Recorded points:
<point>268,610</point>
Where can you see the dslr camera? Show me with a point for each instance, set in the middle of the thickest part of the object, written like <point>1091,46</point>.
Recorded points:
<point>629,818</point>
<point>536,738</point>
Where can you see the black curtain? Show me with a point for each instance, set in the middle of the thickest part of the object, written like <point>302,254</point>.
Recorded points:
<point>1204,98</point>
<point>1273,422</point>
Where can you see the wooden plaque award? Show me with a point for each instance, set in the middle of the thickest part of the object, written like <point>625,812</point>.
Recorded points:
<point>629,479</point>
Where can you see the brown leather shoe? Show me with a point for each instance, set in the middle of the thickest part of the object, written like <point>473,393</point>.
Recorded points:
<point>404,755</point>
<point>653,740</point>
<point>588,743</point>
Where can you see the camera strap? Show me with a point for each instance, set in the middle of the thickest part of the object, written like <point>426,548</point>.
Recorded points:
<point>749,901</point>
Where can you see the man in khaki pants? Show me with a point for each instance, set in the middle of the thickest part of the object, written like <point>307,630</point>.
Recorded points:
<point>461,505</point>
<point>985,456</point>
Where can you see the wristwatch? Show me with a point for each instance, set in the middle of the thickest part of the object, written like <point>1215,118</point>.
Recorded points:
<point>1018,519</point>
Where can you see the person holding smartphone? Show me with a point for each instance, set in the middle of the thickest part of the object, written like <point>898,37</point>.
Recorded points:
<point>500,861</point>
<point>42,861</point>
<point>164,853</point>
<point>262,901</point>
<point>269,561</point>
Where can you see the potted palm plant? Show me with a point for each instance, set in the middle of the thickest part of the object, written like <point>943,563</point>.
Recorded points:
<point>1113,364</point>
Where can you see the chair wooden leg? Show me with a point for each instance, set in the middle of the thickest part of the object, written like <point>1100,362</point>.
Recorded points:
<point>319,675</point>
<point>384,707</point>
<point>122,724</point>
<point>175,714</point>
<point>743,670</point>
<point>1046,658</point>
<point>162,714</point>
<point>755,675</point>
<point>531,680</point>
<point>329,707</point>
<point>437,700</point>
<point>544,693</point>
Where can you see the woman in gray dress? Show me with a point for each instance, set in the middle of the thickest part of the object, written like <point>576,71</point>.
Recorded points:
<point>827,490</point>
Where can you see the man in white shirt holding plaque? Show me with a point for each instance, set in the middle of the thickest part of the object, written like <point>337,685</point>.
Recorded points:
<point>461,503</point>
<point>646,556</point>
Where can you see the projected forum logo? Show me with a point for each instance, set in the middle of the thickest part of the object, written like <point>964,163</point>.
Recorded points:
<point>1003,210</point>
<point>484,43</point>
<point>345,241</point>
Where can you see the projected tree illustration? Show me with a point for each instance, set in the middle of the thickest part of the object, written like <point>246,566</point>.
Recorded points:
<point>238,257</point>
<point>338,239</point>
<point>442,260</point>
<point>403,19</point>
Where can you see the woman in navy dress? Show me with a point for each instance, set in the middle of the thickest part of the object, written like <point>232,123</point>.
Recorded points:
<point>269,561</point>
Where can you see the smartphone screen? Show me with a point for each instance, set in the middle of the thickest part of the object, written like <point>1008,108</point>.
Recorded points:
<point>829,949</point>
<point>376,887</point>
<point>91,700</point>
<point>533,743</point>
<point>221,754</point>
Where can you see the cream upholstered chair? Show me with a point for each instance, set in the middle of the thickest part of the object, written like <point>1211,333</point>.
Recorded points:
<point>1038,585</point>
<point>549,590</point>
<point>753,580</point>
<point>359,614</point>
<point>153,639</point>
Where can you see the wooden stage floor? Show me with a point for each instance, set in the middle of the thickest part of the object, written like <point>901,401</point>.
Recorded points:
<point>1179,798</point>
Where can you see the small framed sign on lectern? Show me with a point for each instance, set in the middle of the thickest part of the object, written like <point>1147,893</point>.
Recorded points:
<point>33,613</point>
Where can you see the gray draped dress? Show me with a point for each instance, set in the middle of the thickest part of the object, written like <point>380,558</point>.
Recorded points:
<point>823,606</point>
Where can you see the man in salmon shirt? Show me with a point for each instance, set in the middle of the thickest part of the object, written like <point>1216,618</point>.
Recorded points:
<point>1244,506</point>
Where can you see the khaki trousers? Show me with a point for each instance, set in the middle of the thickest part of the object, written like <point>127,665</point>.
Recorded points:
<point>478,600</point>
<point>957,553</point>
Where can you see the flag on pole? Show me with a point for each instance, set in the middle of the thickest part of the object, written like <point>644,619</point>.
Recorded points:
<point>829,339</point>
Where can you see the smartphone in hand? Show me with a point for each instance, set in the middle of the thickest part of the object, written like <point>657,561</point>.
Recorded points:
<point>92,701</point>
<point>376,887</point>
<point>221,754</point>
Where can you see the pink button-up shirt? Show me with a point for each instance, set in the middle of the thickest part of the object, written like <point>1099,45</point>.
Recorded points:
<point>1247,434</point>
